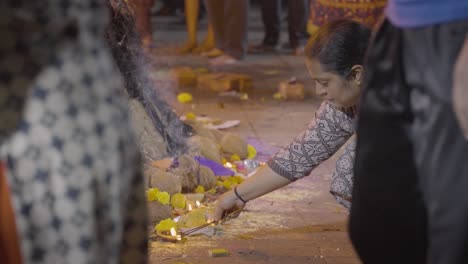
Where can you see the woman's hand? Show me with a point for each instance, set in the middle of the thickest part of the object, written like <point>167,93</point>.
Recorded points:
<point>226,204</point>
<point>262,182</point>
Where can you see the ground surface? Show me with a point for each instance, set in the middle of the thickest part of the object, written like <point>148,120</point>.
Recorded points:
<point>300,223</point>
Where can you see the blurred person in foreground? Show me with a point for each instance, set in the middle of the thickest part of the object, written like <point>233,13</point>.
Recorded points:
<point>70,161</point>
<point>411,170</point>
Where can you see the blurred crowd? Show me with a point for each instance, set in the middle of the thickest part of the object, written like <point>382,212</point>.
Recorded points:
<point>226,39</point>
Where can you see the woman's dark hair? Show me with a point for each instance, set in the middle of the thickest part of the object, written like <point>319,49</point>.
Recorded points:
<point>339,45</point>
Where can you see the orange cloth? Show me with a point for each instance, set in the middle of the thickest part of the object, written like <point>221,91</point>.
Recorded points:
<point>367,12</point>
<point>9,243</point>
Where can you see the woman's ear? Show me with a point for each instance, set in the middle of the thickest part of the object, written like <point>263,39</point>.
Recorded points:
<point>357,74</point>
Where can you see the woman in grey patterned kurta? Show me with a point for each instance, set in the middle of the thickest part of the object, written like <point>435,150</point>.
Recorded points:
<point>71,162</point>
<point>330,130</point>
<point>335,56</point>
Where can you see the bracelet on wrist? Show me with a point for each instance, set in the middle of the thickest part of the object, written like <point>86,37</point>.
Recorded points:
<point>238,196</point>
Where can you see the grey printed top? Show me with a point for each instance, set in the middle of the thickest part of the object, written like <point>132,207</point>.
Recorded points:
<point>331,128</point>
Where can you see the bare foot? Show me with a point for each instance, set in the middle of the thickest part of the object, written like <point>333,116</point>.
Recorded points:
<point>213,53</point>
<point>224,60</point>
<point>205,46</point>
<point>188,47</point>
<point>147,43</point>
<point>299,51</point>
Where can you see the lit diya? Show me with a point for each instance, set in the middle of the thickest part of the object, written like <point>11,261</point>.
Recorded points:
<point>188,232</point>
<point>171,236</point>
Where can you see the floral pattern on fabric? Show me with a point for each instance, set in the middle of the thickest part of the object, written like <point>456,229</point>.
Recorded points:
<point>331,128</point>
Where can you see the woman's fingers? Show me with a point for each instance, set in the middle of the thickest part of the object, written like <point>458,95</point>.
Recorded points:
<point>226,205</point>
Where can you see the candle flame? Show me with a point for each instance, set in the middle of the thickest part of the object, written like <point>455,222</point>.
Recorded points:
<point>173,232</point>
<point>197,203</point>
<point>228,165</point>
<point>189,207</point>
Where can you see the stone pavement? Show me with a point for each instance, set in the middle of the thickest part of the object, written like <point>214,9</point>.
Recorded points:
<point>300,223</point>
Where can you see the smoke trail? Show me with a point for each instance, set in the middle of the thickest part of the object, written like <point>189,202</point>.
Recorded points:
<point>134,65</point>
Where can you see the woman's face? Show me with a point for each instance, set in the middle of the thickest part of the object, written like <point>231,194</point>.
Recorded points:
<point>340,91</point>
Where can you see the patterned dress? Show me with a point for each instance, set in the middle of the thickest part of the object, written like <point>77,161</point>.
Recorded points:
<point>70,156</point>
<point>329,131</point>
<point>366,12</point>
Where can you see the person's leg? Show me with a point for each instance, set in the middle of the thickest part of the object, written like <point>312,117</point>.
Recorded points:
<point>215,10</point>
<point>143,21</point>
<point>388,217</point>
<point>441,151</point>
<point>168,9</point>
<point>271,17</point>
<point>298,14</point>
<point>192,8</point>
<point>209,41</point>
<point>271,11</point>
<point>235,28</point>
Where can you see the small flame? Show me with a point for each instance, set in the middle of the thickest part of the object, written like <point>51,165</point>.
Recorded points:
<point>179,237</point>
<point>189,207</point>
<point>198,204</point>
<point>173,232</point>
<point>228,165</point>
